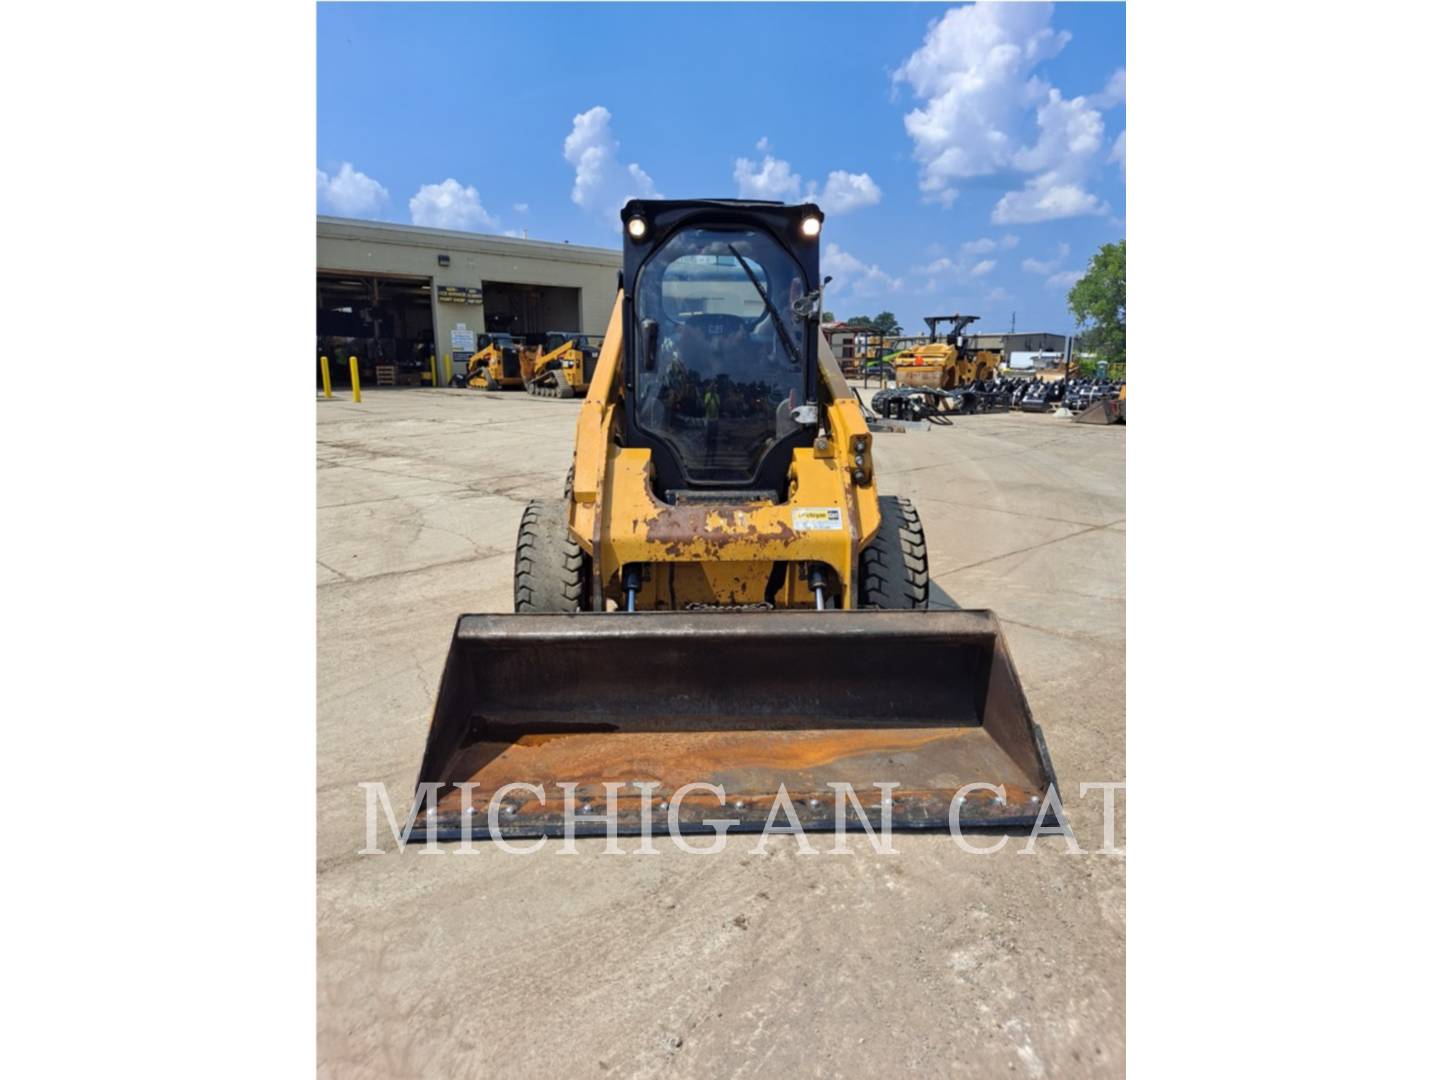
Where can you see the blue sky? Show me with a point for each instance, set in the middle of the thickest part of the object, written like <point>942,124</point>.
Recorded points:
<point>969,157</point>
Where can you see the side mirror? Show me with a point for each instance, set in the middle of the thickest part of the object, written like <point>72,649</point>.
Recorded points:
<point>649,339</point>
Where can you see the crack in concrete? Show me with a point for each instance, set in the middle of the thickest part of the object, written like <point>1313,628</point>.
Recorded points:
<point>457,485</point>
<point>367,578</point>
<point>367,502</point>
<point>337,573</point>
<point>396,475</point>
<point>1017,513</point>
<point>971,460</point>
<point>410,519</point>
<point>1036,547</point>
<point>1090,639</point>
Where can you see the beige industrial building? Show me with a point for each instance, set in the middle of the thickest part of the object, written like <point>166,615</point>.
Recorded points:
<point>1006,344</point>
<point>389,293</point>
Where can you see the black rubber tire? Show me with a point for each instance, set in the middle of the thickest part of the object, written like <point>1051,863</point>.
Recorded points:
<point>895,569</point>
<point>552,571</point>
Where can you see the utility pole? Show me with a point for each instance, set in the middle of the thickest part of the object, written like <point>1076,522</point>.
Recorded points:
<point>1012,324</point>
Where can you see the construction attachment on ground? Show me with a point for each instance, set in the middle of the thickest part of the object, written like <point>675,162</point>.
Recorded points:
<point>908,708</point>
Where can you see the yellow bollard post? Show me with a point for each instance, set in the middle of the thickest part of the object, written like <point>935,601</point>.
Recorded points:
<point>325,374</point>
<point>434,374</point>
<point>355,378</point>
<point>448,375</point>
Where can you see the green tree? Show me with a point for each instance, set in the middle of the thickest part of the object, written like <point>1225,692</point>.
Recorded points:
<point>827,316</point>
<point>885,322</point>
<point>1097,301</point>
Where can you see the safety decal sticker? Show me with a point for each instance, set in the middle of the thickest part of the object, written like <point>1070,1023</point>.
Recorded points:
<point>816,518</point>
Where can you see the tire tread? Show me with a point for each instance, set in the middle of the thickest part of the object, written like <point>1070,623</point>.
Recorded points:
<point>552,571</point>
<point>895,568</point>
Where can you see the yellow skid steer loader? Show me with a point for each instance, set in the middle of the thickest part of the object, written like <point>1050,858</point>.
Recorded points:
<point>565,365</point>
<point>721,597</point>
<point>498,363</point>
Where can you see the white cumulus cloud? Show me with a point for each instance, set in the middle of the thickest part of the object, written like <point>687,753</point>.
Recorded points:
<point>1046,198</point>
<point>602,183</point>
<point>1065,279</point>
<point>349,192</point>
<point>985,245</point>
<point>946,267</point>
<point>771,179</point>
<point>1114,92</point>
<point>1046,266</point>
<point>522,208</point>
<point>846,191</point>
<point>1069,130</point>
<point>979,99</point>
<point>1117,152</point>
<point>942,265</point>
<point>855,277</point>
<point>449,205</point>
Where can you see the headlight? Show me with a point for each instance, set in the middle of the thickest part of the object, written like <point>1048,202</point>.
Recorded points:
<point>810,227</point>
<point>636,227</point>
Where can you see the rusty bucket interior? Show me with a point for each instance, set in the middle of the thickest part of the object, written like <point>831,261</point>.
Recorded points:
<point>1104,411</point>
<point>925,701</point>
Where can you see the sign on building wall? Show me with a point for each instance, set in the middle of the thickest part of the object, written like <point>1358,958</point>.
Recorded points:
<point>458,294</point>
<point>462,339</point>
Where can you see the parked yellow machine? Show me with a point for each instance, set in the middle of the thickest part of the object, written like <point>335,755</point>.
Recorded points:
<point>511,362</point>
<point>945,363</point>
<point>500,362</point>
<point>722,596</point>
<point>870,350</point>
<point>565,365</point>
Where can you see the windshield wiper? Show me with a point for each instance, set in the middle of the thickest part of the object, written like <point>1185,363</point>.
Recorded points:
<point>774,315</point>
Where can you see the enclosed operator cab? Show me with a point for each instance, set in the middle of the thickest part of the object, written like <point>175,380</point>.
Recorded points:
<point>721,372</point>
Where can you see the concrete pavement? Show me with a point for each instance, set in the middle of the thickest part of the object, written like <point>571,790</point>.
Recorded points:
<point>738,964</point>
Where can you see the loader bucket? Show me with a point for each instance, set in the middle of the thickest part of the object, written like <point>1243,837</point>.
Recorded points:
<point>749,701</point>
<point>1104,411</point>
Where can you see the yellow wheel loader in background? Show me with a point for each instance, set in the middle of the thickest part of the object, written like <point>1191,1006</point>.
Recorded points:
<point>722,596</point>
<point>565,365</point>
<point>944,365</point>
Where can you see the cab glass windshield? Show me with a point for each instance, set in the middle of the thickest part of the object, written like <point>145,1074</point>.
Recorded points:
<point>719,349</point>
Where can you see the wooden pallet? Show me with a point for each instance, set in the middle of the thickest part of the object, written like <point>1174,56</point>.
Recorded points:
<point>385,375</point>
